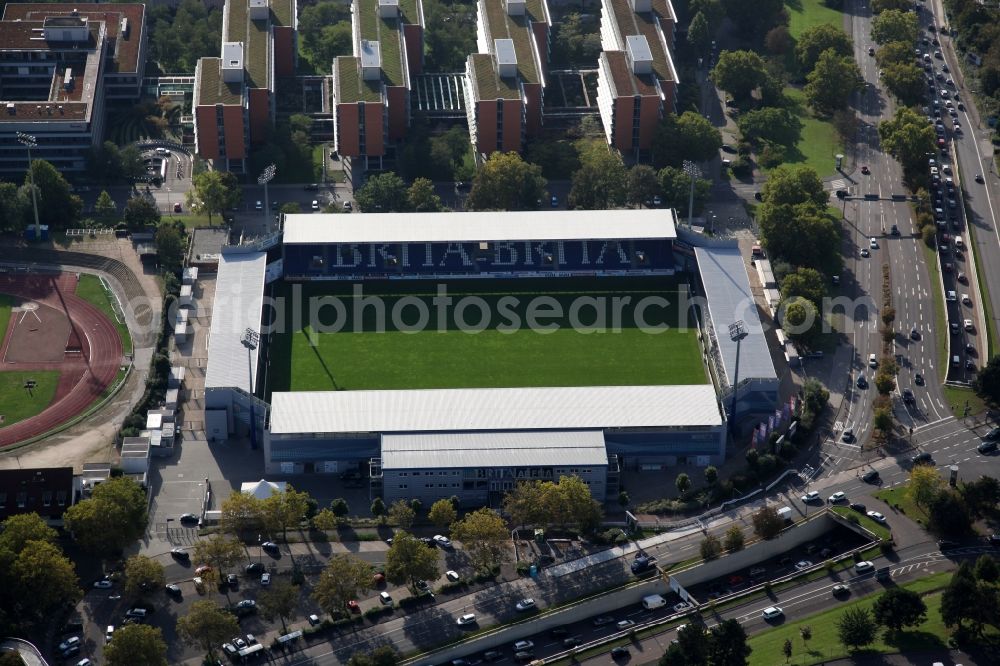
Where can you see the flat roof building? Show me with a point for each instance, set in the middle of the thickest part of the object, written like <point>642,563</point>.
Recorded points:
<point>58,64</point>
<point>234,93</point>
<point>505,80</point>
<point>637,81</point>
<point>371,87</point>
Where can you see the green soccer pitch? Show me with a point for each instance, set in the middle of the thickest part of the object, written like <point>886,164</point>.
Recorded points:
<point>361,354</point>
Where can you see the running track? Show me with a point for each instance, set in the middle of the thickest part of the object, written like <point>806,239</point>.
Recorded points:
<point>84,376</point>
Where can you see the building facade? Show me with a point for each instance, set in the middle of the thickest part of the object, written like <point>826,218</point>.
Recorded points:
<point>58,65</point>
<point>234,93</point>
<point>505,81</point>
<point>637,81</point>
<point>47,491</point>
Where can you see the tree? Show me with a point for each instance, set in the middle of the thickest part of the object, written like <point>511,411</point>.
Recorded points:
<point>700,34</point>
<point>280,600</point>
<point>442,513</point>
<point>734,539</point>
<point>676,187</point>
<point>422,198</point>
<point>383,193</point>
<point>600,183</point>
<point>105,161</point>
<point>325,520</point>
<point>767,524</point>
<point>642,184</point>
<point>806,632</point>
<point>955,600</point>
<point>948,515</point>
<point>987,381</point>
<point>772,124</point>
<point>384,655</point>
<point>284,511</point>
<point>787,649</point>
<point>683,483</point>
<point>981,495</point>
<point>401,513</point>
<point>143,574</point>
<point>132,164</point>
<point>882,416</point>
<point>905,81</point>
<point>728,644</point>
<point>623,499</point>
<point>778,40</point>
<point>136,644</point>
<point>242,514</point>
<point>43,579</point>
<point>895,26</point>
<point>752,18</point>
<point>114,516</point>
<point>898,607</point>
<point>739,73</point>
<point>58,207</point>
<point>206,626</point>
<point>169,247</point>
<point>19,529</point>
<point>986,569</point>
<point>484,535</point>
<point>219,552</point>
<point>104,207</point>
<point>213,192</point>
<point>710,547</point>
<point>879,6</point>
<point>575,41</point>
<point>688,136</point>
<point>15,207</point>
<point>325,32</point>
<point>800,320</point>
<point>409,560</point>
<point>925,484</point>
<point>800,234</point>
<point>711,475</point>
<point>341,509</point>
<point>791,186</point>
<point>691,647</point>
<point>808,283</point>
<point>908,137</point>
<point>832,82</point>
<point>856,628</point>
<point>344,578</point>
<point>814,395</point>
<point>139,213</point>
<point>11,658</point>
<point>525,504</point>
<point>570,503</point>
<point>820,38</point>
<point>506,182</point>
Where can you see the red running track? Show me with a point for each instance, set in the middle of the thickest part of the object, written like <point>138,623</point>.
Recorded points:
<point>84,376</point>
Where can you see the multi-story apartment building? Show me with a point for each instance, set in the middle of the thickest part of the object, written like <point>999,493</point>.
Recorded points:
<point>371,88</point>
<point>58,64</point>
<point>637,81</point>
<point>505,81</point>
<point>234,93</point>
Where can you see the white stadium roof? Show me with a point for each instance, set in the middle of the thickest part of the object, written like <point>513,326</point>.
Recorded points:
<point>539,408</point>
<point>239,297</point>
<point>479,227</point>
<point>551,448</point>
<point>727,288</point>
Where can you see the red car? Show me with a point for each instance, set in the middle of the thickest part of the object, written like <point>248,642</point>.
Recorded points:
<point>353,606</point>
<point>378,579</point>
<point>202,569</point>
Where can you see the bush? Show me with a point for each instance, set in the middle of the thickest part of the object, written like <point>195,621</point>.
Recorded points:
<point>374,613</point>
<point>773,155</point>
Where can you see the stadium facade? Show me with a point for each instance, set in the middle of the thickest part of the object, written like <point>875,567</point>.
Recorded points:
<point>476,443</point>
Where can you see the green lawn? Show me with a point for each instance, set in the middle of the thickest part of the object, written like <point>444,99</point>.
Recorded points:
<point>494,357</point>
<point>804,14</point>
<point>957,396</point>
<point>4,315</point>
<point>91,289</point>
<point>16,404</point>
<point>824,644</point>
<point>899,498</point>
<point>940,319</point>
<point>818,143</point>
<point>878,529</point>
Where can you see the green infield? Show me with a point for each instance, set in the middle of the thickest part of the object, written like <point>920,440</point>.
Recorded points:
<point>17,403</point>
<point>91,289</point>
<point>405,335</point>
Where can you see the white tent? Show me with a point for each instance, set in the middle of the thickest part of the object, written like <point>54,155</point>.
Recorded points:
<point>262,489</point>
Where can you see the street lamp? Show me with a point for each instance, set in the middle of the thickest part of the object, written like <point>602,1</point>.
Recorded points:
<point>266,177</point>
<point>251,339</point>
<point>737,331</point>
<point>694,172</point>
<point>29,142</point>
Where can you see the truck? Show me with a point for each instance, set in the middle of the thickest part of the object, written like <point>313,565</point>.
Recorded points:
<point>785,513</point>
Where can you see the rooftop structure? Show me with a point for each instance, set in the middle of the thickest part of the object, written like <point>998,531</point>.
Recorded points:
<point>58,64</point>
<point>233,94</point>
<point>493,449</point>
<point>637,80</point>
<point>239,297</point>
<point>505,81</point>
<point>371,87</point>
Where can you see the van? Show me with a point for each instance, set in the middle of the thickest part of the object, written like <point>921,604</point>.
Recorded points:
<point>785,513</point>
<point>653,601</point>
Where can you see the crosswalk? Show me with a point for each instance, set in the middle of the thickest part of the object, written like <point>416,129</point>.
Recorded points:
<point>838,184</point>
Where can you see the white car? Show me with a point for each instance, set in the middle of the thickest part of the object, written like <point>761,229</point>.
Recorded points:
<point>863,567</point>
<point>876,516</point>
<point>810,496</point>
<point>103,584</point>
<point>625,624</point>
<point>465,620</point>
<point>442,541</point>
<point>802,565</point>
<point>772,613</point>
<point>265,579</point>
<point>68,643</point>
<point>873,243</point>
<point>838,497</point>
<point>521,646</point>
<point>872,361</point>
<point>452,575</point>
<point>314,205</point>
<point>681,607</point>
<point>524,604</point>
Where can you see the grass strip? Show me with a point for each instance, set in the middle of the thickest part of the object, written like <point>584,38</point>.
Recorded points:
<point>940,319</point>
<point>872,526</point>
<point>91,289</point>
<point>958,396</point>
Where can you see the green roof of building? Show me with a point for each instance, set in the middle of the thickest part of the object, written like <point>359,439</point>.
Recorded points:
<point>488,84</point>
<point>501,25</point>
<point>350,86</point>
<point>211,88</point>
<point>387,32</point>
<point>629,23</point>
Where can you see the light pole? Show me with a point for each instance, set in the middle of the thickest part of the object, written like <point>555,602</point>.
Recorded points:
<point>29,142</point>
<point>251,339</point>
<point>266,177</point>
<point>737,331</point>
<point>693,172</point>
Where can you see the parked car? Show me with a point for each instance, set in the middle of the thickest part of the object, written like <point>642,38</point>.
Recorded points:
<point>876,516</point>
<point>860,508</point>
<point>180,554</point>
<point>265,579</point>
<point>442,541</point>
<point>466,620</point>
<point>810,496</point>
<point>524,605</point>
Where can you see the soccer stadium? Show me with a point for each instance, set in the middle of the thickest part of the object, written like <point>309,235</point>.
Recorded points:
<point>471,350</point>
